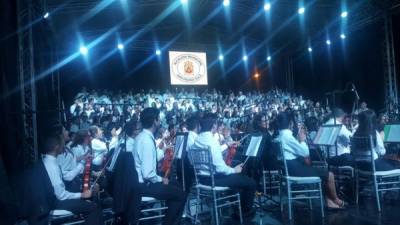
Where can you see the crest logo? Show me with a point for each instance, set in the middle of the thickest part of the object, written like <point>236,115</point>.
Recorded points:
<point>188,68</point>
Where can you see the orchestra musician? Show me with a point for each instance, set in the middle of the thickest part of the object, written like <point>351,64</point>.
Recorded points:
<point>367,126</point>
<point>342,157</point>
<point>71,201</point>
<point>150,183</point>
<point>225,175</point>
<point>296,151</point>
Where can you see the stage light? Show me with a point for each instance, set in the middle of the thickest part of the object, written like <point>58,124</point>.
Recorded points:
<point>158,52</point>
<point>344,14</point>
<point>328,42</point>
<point>226,3</point>
<point>46,15</point>
<point>83,50</point>
<point>256,75</point>
<point>267,6</point>
<point>269,58</point>
<point>245,58</point>
<point>221,57</point>
<point>184,1</point>
<point>301,10</point>
<point>309,49</point>
<point>342,36</point>
<point>120,46</point>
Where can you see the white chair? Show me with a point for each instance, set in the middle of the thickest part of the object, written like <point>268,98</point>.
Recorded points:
<point>59,216</point>
<point>299,188</point>
<point>150,206</point>
<point>381,181</point>
<point>221,196</point>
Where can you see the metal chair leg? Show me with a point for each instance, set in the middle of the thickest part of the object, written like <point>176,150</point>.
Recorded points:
<point>321,200</point>
<point>240,209</point>
<point>215,208</point>
<point>289,200</point>
<point>378,204</point>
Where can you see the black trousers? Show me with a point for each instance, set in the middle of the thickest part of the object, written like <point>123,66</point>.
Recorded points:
<point>245,185</point>
<point>380,165</point>
<point>345,159</point>
<point>91,211</point>
<point>298,168</point>
<point>175,199</point>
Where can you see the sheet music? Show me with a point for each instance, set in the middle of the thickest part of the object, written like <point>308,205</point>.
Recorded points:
<point>179,146</point>
<point>327,135</point>
<point>392,133</point>
<point>254,145</point>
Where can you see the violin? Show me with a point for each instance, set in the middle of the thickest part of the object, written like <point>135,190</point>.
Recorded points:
<point>87,172</point>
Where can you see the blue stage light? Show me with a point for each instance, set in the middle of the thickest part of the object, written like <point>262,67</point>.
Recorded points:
<point>46,15</point>
<point>184,1</point>
<point>158,52</point>
<point>245,58</point>
<point>221,57</point>
<point>344,14</point>
<point>309,49</point>
<point>120,46</point>
<point>301,10</point>
<point>83,50</point>
<point>342,36</point>
<point>328,42</point>
<point>269,58</point>
<point>267,6</point>
<point>226,3</point>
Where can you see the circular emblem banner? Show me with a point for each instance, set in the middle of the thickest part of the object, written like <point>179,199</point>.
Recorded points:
<point>188,68</point>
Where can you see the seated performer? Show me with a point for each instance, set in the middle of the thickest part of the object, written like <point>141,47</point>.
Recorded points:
<point>296,151</point>
<point>342,157</point>
<point>367,127</point>
<point>152,185</point>
<point>73,202</point>
<point>226,176</point>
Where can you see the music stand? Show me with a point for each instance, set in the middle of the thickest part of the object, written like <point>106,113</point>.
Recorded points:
<point>253,146</point>
<point>327,135</point>
<point>392,133</point>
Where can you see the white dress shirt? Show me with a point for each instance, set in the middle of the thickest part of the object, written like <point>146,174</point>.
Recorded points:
<point>343,143</point>
<point>145,154</point>
<point>292,148</point>
<point>69,166</point>
<point>99,150</point>
<point>80,150</point>
<point>191,139</point>
<point>380,147</point>
<point>54,172</point>
<point>220,138</point>
<point>205,140</point>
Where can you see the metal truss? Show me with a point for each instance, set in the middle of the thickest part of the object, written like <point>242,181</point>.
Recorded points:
<point>26,69</point>
<point>391,91</point>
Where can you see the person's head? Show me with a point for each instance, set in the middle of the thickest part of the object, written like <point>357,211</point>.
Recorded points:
<point>285,121</point>
<point>150,118</point>
<point>96,132</point>
<point>363,105</point>
<point>53,144</point>
<point>132,128</point>
<point>367,123</point>
<point>339,114</point>
<point>193,124</point>
<point>260,122</point>
<point>208,122</point>
<point>59,129</point>
<point>311,123</point>
<point>82,137</point>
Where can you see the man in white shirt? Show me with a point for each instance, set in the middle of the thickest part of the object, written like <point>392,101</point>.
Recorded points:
<point>340,155</point>
<point>225,175</point>
<point>152,185</point>
<point>73,202</point>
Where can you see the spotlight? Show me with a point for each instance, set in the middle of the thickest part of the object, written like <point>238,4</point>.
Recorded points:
<point>120,46</point>
<point>343,36</point>
<point>256,75</point>
<point>309,49</point>
<point>158,52</point>
<point>226,3</point>
<point>301,10</point>
<point>83,50</point>
<point>328,42</point>
<point>46,15</point>
<point>221,57</point>
<point>344,14</point>
<point>245,58</point>
<point>184,1</point>
<point>267,6</point>
<point>269,58</point>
